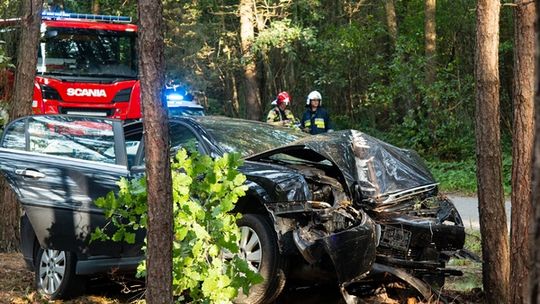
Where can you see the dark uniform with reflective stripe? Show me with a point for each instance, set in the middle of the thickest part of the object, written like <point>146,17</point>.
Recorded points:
<point>316,121</point>
<point>281,118</point>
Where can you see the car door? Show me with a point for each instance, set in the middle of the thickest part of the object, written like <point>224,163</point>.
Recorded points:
<point>57,166</point>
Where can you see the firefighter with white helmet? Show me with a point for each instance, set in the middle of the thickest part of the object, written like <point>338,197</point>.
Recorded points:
<point>315,119</point>
<point>280,115</point>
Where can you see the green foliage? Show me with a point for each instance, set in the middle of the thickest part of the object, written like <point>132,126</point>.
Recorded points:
<point>5,61</point>
<point>473,241</point>
<point>204,194</point>
<point>455,176</point>
<point>434,119</point>
<point>107,7</point>
<point>460,176</point>
<point>282,35</point>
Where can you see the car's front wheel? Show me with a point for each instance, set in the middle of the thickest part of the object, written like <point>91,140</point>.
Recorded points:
<point>55,275</point>
<point>258,246</point>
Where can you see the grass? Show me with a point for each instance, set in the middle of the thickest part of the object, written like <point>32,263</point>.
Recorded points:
<point>471,281</point>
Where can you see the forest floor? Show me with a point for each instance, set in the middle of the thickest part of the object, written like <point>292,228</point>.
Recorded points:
<point>16,287</point>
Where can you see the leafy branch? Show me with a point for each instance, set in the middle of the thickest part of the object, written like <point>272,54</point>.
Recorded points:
<point>205,192</point>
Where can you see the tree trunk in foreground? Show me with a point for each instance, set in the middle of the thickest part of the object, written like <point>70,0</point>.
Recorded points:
<point>496,266</point>
<point>20,105</point>
<point>158,169</point>
<point>522,146</point>
<point>534,288</point>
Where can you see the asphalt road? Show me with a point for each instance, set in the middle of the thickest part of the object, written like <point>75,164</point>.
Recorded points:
<point>468,209</point>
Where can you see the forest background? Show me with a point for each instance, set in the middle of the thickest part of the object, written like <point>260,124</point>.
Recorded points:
<point>394,69</point>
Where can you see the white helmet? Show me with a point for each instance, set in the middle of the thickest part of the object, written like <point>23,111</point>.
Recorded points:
<point>314,95</point>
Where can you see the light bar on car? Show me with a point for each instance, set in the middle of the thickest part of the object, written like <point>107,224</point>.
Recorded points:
<point>64,15</point>
<point>174,97</point>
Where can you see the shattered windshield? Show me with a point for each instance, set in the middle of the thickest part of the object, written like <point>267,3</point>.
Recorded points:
<point>88,53</point>
<point>248,137</point>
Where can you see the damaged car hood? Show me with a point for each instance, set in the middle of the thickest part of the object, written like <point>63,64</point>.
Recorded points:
<point>380,171</point>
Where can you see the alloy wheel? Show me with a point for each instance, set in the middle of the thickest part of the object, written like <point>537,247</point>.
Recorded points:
<point>52,269</point>
<point>250,248</point>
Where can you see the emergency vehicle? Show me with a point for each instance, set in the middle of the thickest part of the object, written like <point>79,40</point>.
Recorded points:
<point>87,65</point>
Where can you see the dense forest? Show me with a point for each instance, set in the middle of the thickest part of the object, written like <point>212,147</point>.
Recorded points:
<point>391,68</point>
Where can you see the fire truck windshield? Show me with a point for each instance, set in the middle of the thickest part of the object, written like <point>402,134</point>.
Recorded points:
<point>78,52</point>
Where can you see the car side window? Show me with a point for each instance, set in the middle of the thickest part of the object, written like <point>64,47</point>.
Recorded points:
<point>75,137</point>
<point>183,137</point>
<point>14,137</point>
<point>132,147</point>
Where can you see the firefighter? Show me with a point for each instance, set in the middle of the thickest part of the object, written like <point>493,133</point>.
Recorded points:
<point>315,119</point>
<point>280,115</point>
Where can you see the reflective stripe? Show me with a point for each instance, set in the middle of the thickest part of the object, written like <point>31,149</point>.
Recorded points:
<point>289,115</point>
<point>319,122</point>
<point>273,116</point>
<point>307,123</point>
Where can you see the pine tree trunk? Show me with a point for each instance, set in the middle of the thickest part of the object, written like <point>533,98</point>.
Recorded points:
<point>391,20</point>
<point>247,35</point>
<point>95,7</point>
<point>522,146</point>
<point>20,105</point>
<point>534,282</point>
<point>234,99</point>
<point>430,33</point>
<point>496,266</point>
<point>156,137</point>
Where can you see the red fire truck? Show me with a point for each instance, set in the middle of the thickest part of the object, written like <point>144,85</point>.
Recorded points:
<point>87,64</point>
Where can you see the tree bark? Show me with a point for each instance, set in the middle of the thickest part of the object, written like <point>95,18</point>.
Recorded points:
<point>20,105</point>
<point>534,283</point>
<point>95,7</point>
<point>522,146</point>
<point>234,96</point>
<point>391,20</point>
<point>158,170</point>
<point>430,33</point>
<point>496,266</point>
<point>247,35</point>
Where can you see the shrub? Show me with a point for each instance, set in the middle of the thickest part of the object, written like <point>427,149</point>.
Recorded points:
<point>204,194</point>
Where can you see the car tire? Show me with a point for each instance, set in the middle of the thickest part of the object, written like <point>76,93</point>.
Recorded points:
<point>258,245</point>
<point>55,276</point>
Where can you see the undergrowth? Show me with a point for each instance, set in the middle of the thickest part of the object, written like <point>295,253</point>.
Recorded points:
<point>460,176</point>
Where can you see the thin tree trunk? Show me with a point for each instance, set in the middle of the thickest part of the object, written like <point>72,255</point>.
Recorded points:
<point>430,33</point>
<point>391,20</point>
<point>95,7</point>
<point>522,146</point>
<point>20,105</point>
<point>158,170</point>
<point>247,35</point>
<point>234,99</point>
<point>496,266</point>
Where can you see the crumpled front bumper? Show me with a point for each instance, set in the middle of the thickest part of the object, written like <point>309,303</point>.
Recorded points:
<point>352,251</point>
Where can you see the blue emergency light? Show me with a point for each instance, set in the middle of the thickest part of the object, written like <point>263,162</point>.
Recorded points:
<point>64,15</point>
<point>174,97</point>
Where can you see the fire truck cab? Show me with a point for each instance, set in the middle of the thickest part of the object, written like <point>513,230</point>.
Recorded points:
<point>87,65</point>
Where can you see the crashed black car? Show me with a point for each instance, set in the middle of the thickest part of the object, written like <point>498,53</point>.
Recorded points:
<point>341,205</point>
